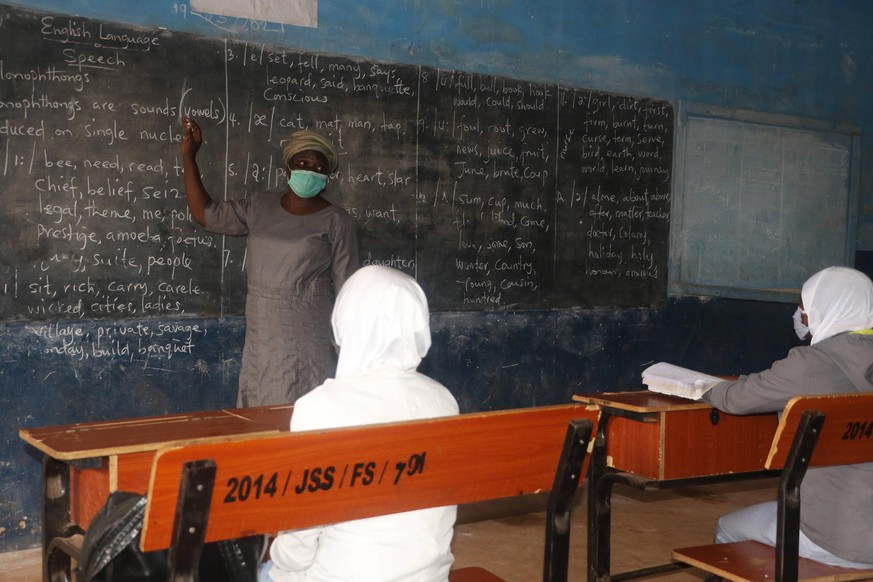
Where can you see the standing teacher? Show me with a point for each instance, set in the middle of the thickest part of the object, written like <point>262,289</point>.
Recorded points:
<point>300,249</point>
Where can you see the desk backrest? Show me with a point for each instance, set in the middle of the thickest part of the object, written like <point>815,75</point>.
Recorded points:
<point>305,479</point>
<point>846,436</point>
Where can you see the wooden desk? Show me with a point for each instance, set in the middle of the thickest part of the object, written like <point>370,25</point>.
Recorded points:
<point>652,441</point>
<point>84,462</point>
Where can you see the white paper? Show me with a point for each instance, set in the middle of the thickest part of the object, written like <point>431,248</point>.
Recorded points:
<point>294,12</point>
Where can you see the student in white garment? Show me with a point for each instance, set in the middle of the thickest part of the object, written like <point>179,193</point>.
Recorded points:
<point>836,519</point>
<point>381,325</point>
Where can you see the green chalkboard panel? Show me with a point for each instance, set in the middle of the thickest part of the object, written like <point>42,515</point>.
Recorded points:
<point>763,202</point>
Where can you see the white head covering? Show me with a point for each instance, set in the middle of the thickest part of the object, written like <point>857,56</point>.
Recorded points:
<point>380,319</point>
<point>837,299</point>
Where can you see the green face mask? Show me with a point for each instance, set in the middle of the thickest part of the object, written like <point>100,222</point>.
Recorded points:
<point>307,184</point>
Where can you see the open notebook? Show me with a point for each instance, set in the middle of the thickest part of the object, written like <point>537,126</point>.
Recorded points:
<point>666,378</point>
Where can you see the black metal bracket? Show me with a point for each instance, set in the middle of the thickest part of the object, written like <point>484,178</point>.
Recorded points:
<point>88,463</point>
<point>192,515</point>
<point>567,477</point>
<point>788,505</point>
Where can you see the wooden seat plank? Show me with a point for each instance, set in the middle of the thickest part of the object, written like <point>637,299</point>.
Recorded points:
<point>741,561</point>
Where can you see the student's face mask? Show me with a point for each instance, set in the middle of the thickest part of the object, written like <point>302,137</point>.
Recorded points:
<point>307,184</point>
<point>799,328</point>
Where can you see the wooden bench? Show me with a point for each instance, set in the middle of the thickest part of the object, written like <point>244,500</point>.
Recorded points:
<point>814,431</point>
<point>212,491</point>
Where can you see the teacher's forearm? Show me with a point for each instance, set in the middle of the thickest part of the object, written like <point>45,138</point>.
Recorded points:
<point>195,192</point>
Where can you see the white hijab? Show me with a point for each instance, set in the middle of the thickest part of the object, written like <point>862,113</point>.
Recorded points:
<point>380,319</point>
<point>837,299</point>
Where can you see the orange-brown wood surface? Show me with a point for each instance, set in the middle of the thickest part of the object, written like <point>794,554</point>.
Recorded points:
<point>132,471</point>
<point>694,446</point>
<point>111,437</point>
<point>89,489</point>
<point>847,434</point>
<point>266,484</point>
<point>634,446</point>
<point>640,401</point>
<point>676,437</point>
<point>742,561</point>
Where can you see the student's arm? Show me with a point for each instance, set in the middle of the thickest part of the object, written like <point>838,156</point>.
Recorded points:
<point>294,551</point>
<point>766,391</point>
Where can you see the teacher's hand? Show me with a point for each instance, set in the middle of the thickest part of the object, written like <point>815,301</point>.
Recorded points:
<point>191,137</point>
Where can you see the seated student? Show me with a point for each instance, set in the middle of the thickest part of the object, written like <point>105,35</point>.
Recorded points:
<point>381,325</point>
<point>836,519</point>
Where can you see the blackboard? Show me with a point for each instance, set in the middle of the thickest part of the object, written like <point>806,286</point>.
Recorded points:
<point>495,193</point>
<point>763,202</point>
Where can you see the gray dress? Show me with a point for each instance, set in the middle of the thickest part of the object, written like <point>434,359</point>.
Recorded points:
<point>295,265</point>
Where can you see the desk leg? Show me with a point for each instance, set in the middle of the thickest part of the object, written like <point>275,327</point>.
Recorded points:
<point>55,514</point>
<point>599,509</point>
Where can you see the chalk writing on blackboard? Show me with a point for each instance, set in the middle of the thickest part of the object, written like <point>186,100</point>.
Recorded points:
<point>495,193</point>
<point>133,342</point>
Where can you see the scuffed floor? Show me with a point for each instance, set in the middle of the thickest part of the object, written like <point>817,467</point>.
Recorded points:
<point>646,526</point>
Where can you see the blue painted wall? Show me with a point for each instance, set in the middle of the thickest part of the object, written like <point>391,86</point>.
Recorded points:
<point>804,58</point>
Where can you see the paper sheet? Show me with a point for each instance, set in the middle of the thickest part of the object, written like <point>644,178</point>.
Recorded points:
<point>295,12</point>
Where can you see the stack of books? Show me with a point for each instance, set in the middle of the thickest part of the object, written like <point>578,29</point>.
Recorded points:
<point>666,378</point>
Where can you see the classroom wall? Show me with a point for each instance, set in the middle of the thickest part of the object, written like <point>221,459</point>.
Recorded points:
<point>806,58</point>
